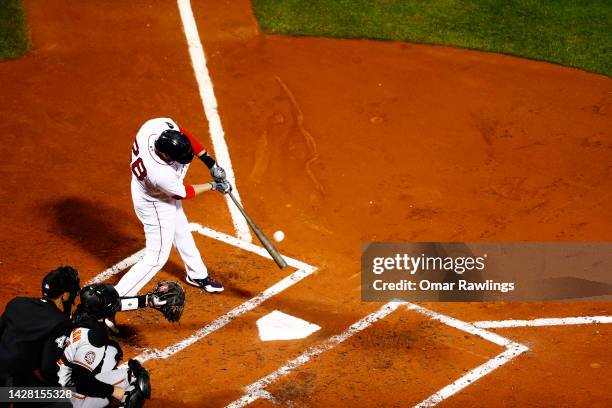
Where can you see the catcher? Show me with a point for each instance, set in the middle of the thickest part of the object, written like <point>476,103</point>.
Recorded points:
<point>87,357</point>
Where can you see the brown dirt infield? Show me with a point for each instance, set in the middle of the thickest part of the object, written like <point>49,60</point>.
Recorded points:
<point>334,142</point>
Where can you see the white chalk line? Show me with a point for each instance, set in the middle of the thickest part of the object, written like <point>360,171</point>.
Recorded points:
<point>209,103</point>
<point>513,349</point>
<point>256,390</point>
<point>266,395</point>
<point>303,270</point>
<point>542,322</point>
<point>473,375</point>
<point>118,267</point>
<point>463,326</point>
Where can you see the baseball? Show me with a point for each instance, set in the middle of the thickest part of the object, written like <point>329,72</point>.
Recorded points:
<point>279,236</point>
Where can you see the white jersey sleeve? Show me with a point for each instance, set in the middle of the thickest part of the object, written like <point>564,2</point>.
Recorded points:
<point>170,185</point>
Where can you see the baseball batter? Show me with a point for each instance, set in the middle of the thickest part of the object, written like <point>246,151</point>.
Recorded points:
<point>160,159</point>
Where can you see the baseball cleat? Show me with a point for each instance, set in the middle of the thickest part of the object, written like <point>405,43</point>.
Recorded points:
<point>207,284</point>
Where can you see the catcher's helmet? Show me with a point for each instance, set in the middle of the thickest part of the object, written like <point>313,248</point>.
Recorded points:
<point>175,145</point>
<point>60,280</point>
<point>100,300</point>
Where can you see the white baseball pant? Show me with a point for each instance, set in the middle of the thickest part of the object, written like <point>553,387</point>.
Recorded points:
<point>165,224</point>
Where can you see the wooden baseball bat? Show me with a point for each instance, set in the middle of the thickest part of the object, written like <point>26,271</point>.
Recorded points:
<point>260,235</point>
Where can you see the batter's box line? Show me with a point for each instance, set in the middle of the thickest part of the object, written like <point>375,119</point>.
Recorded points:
<point>303,270</point>
<point>513,349</point>
<point>543,322</point>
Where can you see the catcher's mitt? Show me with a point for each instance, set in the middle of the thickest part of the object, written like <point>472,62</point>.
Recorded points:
<point>169,298</point>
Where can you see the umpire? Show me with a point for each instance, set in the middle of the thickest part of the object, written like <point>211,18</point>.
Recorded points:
<point>27,323</point>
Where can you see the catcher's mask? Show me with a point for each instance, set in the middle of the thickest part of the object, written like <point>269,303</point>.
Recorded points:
<point>175,145</point>
<point>100,301</point>
<point>61,280</point>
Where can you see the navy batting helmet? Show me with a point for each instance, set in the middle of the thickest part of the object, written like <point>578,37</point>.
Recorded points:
<point>100,300</point>
<point>175,145</point>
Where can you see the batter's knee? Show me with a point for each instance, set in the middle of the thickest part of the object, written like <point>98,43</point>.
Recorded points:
<point>156,259</point>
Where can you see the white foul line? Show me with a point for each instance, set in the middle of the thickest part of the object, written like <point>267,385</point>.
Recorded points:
<point>209,102</point>
<point>256,390</point>
<point>562,321</point>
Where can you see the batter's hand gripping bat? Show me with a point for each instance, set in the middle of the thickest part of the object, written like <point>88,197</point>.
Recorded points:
<point>260,235</point>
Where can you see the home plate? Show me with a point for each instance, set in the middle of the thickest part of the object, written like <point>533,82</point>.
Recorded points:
<point>281,326</point>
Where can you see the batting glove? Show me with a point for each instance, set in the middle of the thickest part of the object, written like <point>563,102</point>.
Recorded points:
<point>217,172</point>
<point>223,187</point>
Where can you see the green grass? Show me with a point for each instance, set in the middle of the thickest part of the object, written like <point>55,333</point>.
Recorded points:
<point>576,33</point>
<point>13,30</point>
